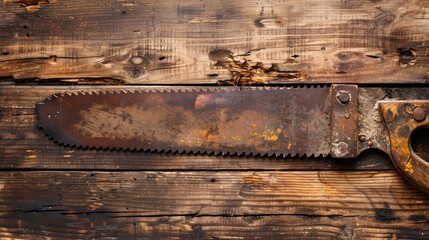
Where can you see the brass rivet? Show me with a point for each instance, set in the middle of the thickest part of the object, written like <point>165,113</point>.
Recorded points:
<point>419,114</point>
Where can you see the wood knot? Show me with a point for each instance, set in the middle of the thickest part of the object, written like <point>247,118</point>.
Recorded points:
<point>134,72</point>
<point>220,55</point>
<point>32,5</point>
<point>407,56</point>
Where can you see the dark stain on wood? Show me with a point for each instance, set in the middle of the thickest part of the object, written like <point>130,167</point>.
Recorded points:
<point>386,214</point>
<point>252,219</point>
<point>407,56</point>
<point>419,218</point>
<point>220,55</point>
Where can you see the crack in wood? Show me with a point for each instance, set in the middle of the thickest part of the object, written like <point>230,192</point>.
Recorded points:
<point>244,73</point>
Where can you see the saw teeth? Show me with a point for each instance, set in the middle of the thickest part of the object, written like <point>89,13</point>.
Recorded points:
<point>184,90</point>
<point>196,152</point>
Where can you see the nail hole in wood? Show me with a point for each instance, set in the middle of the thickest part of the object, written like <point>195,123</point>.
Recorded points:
<point>372,56</point>
<point>52,59</point>
<point>212,75</point>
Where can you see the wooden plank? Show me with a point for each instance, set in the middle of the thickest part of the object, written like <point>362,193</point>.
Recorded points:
<point>24,146</point>
<point>109,226</point>
<point>189,42</point>
<point>195,205</point>
<point>382,196</point>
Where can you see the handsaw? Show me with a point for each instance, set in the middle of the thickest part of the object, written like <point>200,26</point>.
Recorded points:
<point>337,120</point>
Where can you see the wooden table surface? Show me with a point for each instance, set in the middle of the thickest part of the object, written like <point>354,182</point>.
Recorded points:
<point>51,191</point>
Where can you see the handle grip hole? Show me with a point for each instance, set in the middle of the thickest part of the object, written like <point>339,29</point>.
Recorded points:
<point>419,142</point>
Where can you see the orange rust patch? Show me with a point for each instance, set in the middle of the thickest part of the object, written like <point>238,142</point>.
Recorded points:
<point>409,167</point>
<point>208,136</point>
<point>271,135</point>
<point>400,124</point>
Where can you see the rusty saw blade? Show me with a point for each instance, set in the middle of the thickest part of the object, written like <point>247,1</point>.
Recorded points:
<point>252,121</point>
<point>341,120</point>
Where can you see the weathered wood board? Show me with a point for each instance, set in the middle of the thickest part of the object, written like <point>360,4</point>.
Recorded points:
<point>51,191</point>
<point>105,225</point>
<point>205,205</point>
<point>54,191</point>
<point>195,42</point>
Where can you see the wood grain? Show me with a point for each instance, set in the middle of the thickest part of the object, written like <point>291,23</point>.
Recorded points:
<point>107,225</point>
<point>50,191</point>
<point>381,195</point>
<point>204,205</point>
<point>190,42</point>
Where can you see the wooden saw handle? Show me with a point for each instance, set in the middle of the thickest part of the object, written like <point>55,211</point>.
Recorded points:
<point>407,123</point>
